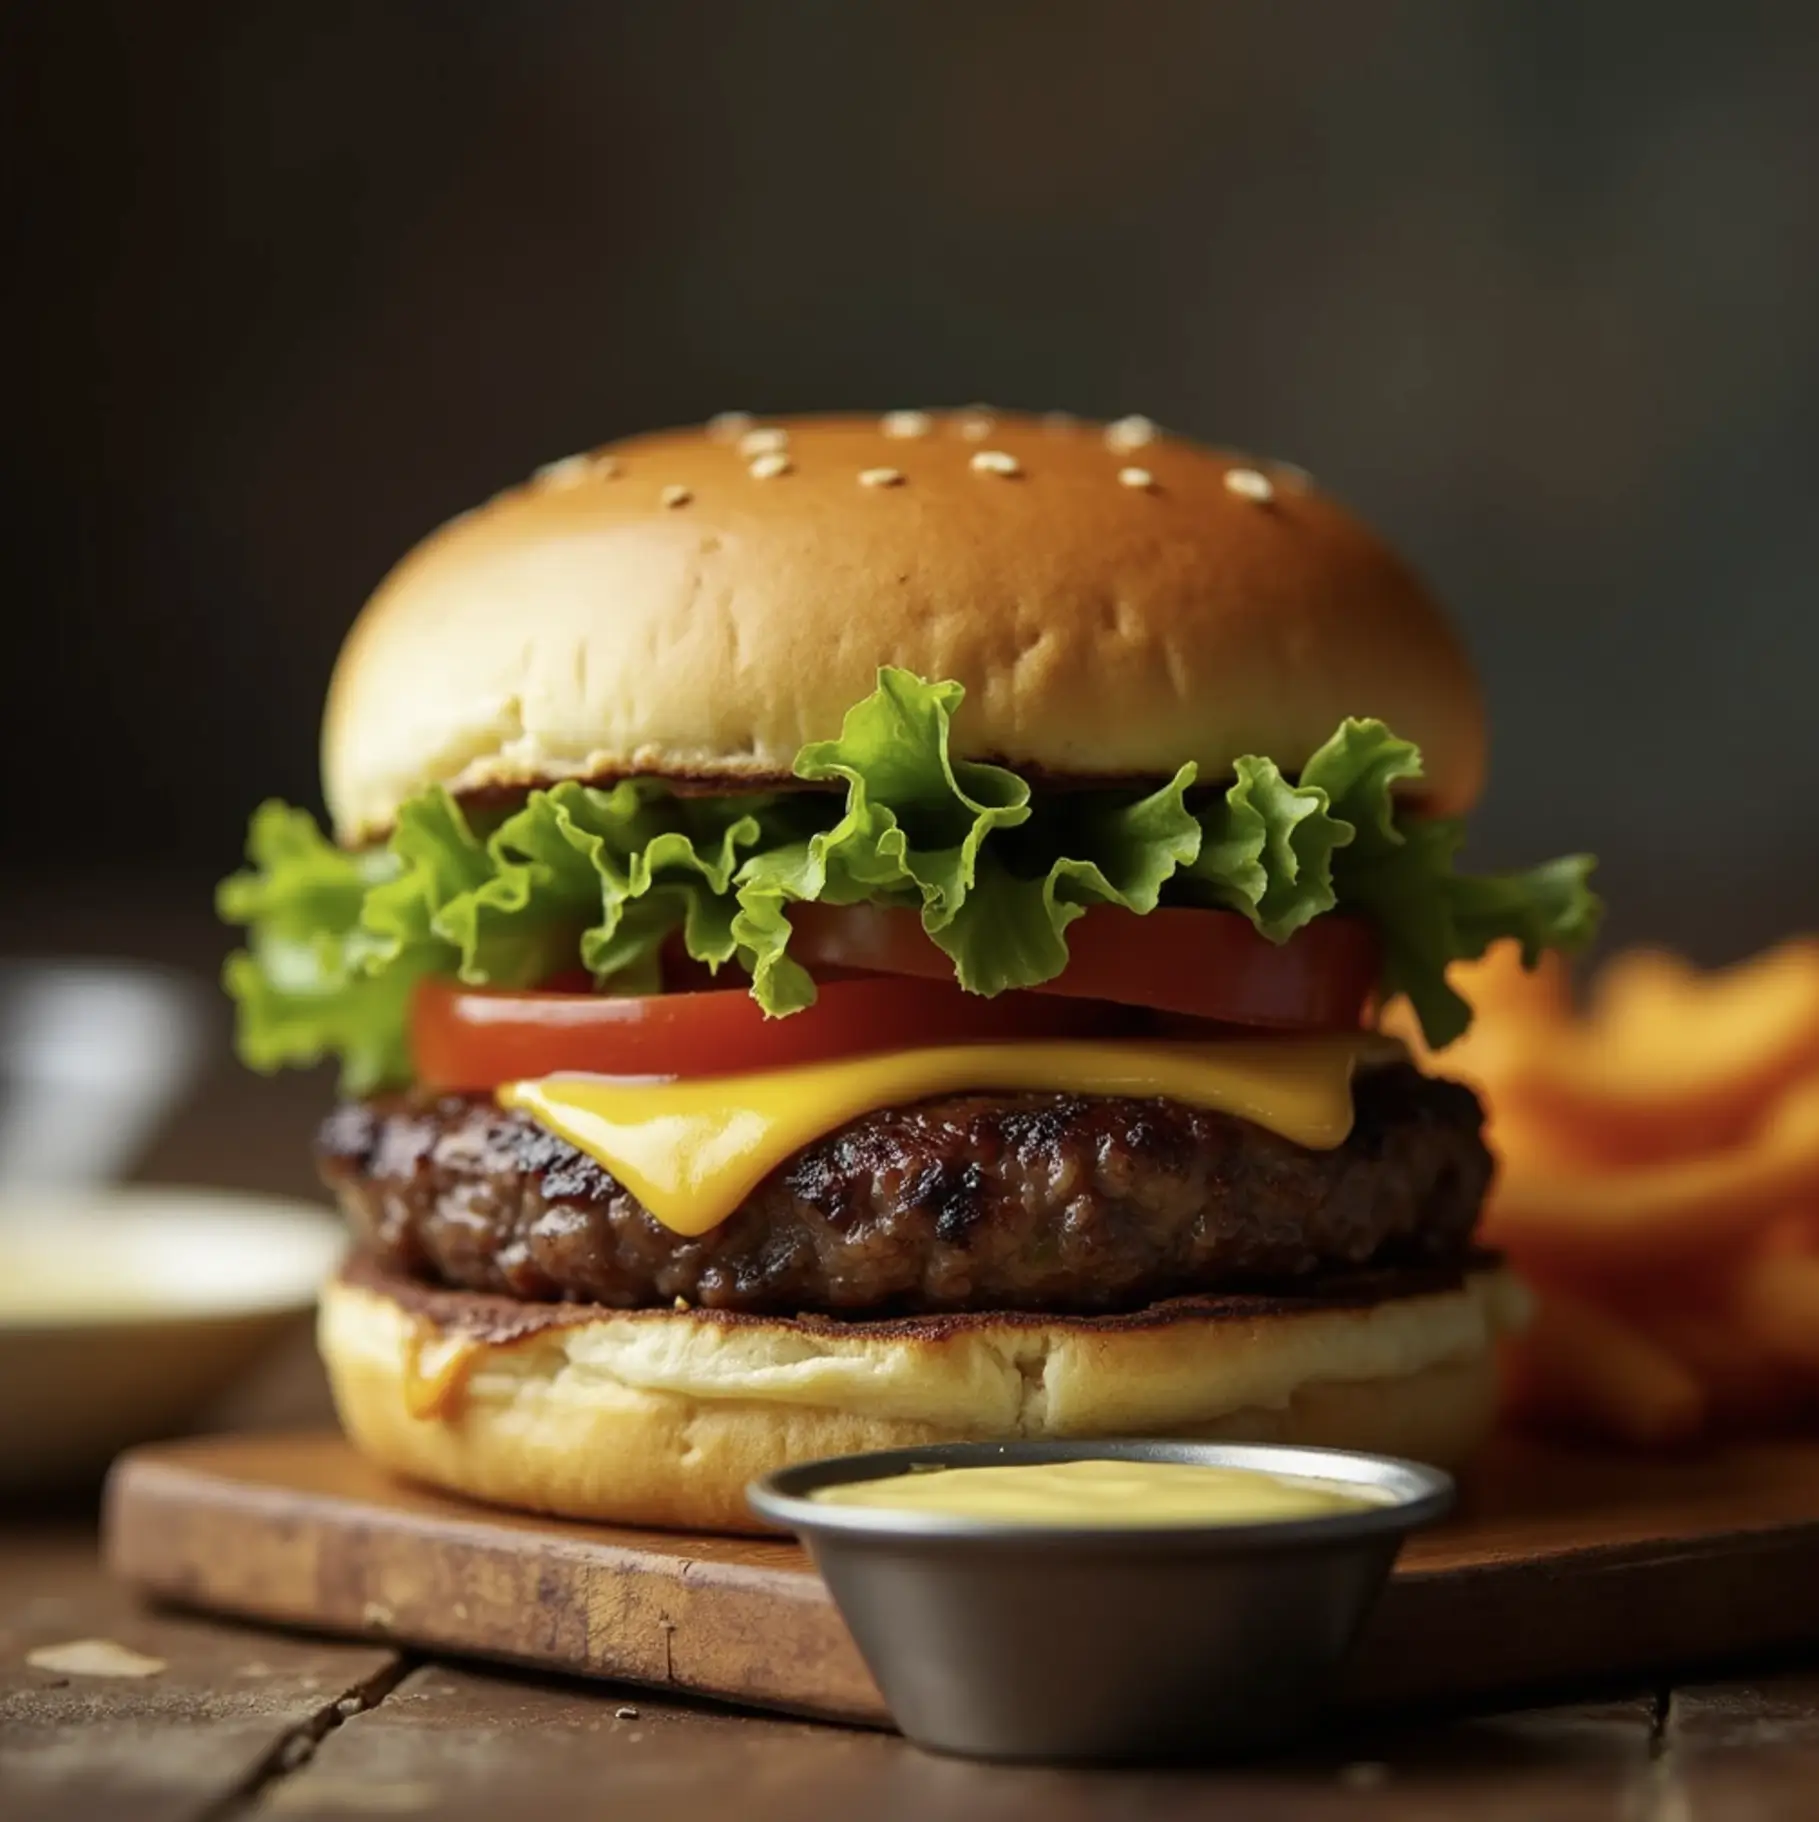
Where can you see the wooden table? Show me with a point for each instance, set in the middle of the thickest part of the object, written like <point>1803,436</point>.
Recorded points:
<point>222,1721</point>
<point>230,1721</point>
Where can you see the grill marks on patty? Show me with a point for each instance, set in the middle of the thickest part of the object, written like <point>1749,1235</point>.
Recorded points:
<point>1046,1202</point>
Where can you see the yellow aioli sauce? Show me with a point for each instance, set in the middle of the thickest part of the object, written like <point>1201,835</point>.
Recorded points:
<point>39,1285</point>
<point>1103,1493</point>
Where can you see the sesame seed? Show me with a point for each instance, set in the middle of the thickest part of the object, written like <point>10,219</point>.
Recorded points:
<point>763,442</point>
<point>625,1714</point>
<point>769,465</point>
<point>571,471</point>
<point>906,423</point>
<point>976,429</point>
<point>725,426</point>
<point>681,1302</point>
<point>1130,433</point>
<point>1136,477</point>
<point>1298,479</point>
<point>675,495</point>
<point>1250,484</point>
<point>996,461</point>
<point>881,477</point>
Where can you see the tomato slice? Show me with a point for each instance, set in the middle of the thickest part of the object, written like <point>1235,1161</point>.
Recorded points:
<point>1200,964</point>
<point>472,1038</point>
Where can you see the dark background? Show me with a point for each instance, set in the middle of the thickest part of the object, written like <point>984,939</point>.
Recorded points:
<point>1537,286</point>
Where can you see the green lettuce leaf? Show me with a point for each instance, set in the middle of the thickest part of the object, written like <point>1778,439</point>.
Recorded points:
<point>313,981</point>
<point>578,877</point>
<point>1268,850</point>
<point>1399,872</point>
<point>601,879</point>
<point>997,882</point>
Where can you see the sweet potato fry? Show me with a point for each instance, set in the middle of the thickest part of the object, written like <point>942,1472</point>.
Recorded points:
<point>1775,1297</point>
<point>1526,1140</point>
<point>1796,1231</point>
<point>1500,984</point>
<point>1580,1367</point>
<point>1634,985</point>
<point>1748,1387</point>
<point>1659,1171</point>
<point>1517,1013</point>
<point>1671,1062</point>
<point>1601,1223</point>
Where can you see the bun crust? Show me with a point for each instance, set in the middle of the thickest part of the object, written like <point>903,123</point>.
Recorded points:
<point>659,1417</point>
<point>580,627</point>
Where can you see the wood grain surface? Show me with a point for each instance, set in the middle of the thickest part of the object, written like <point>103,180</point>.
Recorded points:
<point>467,1746</point>
<point>238,1723</point>
<point>1559,1568</point>
<point>203,1714</point>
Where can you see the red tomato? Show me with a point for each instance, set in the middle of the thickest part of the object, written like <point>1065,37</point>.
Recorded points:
<point>474,1038</point>
<point>1200,964</point>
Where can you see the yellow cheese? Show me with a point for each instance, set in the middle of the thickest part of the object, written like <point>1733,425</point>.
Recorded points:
<point>436,1369</point>
<point>692,1151</point>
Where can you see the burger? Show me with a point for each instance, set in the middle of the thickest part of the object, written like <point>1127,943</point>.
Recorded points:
<point>862,931</point>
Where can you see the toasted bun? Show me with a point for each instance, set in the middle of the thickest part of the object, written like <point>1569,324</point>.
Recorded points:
<point>659,1417</point>
<point>579,627</point>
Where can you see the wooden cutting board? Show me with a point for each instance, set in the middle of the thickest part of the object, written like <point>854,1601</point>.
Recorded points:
<point>1559,1567</point>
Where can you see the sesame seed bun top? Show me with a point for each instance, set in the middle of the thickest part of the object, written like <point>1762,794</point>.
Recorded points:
<point>696,604</point>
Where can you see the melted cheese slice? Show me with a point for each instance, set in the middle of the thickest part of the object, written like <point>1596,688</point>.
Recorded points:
<point>691,1152</point>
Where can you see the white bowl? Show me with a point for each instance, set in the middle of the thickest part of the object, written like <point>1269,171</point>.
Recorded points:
<point>94,1057</point>
<point>124,1312</point>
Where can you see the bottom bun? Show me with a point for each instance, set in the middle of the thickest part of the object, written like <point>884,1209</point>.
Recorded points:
<point>663,1417</point>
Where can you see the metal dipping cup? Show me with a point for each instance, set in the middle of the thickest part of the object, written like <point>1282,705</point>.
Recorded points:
<point>1005,1640</point>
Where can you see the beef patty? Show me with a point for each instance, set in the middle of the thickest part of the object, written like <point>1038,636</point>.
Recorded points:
<point>1054,1202</point>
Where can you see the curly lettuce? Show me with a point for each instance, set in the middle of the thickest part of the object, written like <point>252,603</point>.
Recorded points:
<point>601,878</point>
